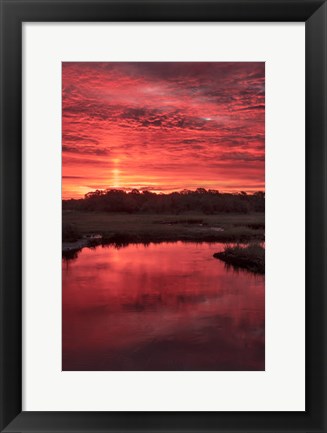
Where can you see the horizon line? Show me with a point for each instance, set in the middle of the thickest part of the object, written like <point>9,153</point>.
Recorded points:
<point>158,192</point>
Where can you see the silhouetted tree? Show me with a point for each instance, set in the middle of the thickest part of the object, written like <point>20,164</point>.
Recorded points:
<point>200,200</point>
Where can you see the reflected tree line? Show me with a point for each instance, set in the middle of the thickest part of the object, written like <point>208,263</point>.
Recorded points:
<point>201,200</point>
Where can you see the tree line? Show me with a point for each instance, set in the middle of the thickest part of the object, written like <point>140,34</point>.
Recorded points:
<point>201,200</point>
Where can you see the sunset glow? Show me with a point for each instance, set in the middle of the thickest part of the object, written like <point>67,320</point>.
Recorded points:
<point>162,126</point>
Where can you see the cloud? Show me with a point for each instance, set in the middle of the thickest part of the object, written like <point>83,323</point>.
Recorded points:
<point>86,150</point>
<point>78,138</point>
<point>253,107</point>
<point>169,123</point>
<point>242,156</point>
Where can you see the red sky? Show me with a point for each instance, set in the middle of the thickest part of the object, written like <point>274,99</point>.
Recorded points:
<point>162,126</point>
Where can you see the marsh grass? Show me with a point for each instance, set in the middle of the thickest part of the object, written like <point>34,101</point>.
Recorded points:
<point>70,232</point>
<point>250,257</point>
<point>122,228</point>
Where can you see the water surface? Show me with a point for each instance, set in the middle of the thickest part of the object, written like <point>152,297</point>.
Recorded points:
<point>167,306</point>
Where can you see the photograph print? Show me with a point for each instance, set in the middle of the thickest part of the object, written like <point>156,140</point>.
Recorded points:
<point>163,216</point>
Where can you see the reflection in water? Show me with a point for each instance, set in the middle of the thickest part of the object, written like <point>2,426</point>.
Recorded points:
<point>168,306</point>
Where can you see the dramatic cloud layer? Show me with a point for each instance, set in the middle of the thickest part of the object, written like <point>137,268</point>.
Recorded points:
<point>163,126</point>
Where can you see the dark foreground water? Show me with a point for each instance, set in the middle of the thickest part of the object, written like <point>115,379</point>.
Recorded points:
<point>168,306</point>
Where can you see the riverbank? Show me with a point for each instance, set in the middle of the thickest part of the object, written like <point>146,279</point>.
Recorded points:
<point>250,257</point>
<point>81,228</point>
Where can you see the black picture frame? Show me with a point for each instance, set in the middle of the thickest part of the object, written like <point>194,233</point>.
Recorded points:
<point>13,14</point>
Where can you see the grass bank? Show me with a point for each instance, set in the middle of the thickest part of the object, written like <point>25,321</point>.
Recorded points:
<point>116,227</point>
<point>250,257</point>
<point>122,229</point>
